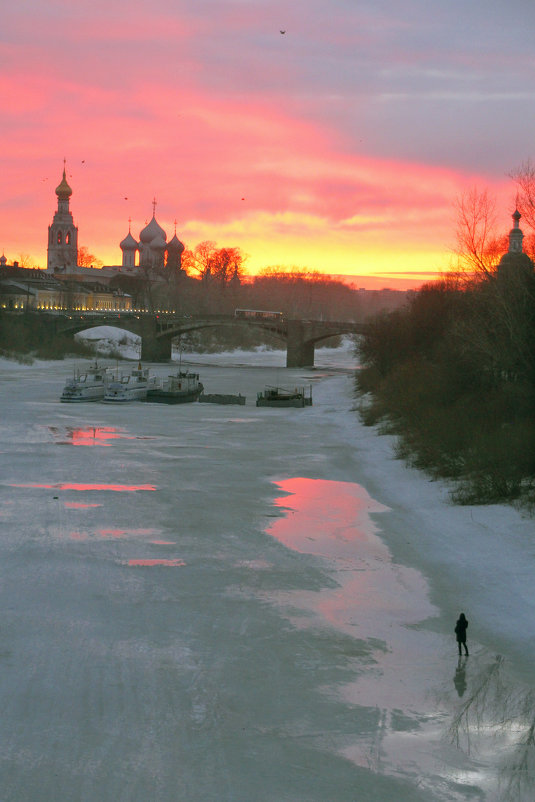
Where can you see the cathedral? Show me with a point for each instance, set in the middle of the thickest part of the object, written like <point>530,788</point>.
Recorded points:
<point>150,255</point>
<point>152,248</point>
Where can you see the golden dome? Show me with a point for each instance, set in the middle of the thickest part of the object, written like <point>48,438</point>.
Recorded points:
<point>63,191</point>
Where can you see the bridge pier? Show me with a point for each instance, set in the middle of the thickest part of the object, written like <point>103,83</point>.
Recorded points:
<point>153,348</point>
<point>299,351</point>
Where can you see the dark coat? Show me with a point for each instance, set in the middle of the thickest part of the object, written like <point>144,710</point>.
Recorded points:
<point>460,628</point>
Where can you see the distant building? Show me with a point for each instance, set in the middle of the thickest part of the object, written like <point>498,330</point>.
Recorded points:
<point>515,262</point>
<point>30,289</point>
<point>67,285</point>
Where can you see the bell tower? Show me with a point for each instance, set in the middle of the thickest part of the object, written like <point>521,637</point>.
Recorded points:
<point>62,253</point>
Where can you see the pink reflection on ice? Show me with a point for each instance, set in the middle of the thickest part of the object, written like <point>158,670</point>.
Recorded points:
<point>89,435</point>
<point>78,536</point>
<point>171,563</point>
<point>82,486</point>
<point>334,520</point>
<point>96,436</point>
<point>112,532</point>
<point>323,517</point>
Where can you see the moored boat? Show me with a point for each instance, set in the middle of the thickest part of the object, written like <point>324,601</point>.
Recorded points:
<point>87,385</point>
<point>281,397</point>
<point>178,388</point>
<point>131,386</point>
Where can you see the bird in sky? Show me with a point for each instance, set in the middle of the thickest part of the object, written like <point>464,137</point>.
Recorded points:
<point>283,31</point>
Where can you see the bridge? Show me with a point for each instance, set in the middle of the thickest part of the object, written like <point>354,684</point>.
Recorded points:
<point>157,331</point>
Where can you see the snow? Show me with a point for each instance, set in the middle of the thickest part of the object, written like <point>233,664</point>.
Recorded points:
<point>231,603</point>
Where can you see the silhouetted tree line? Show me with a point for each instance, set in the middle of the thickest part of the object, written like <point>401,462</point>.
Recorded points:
<point>453,376</point>
<point>212,280</point>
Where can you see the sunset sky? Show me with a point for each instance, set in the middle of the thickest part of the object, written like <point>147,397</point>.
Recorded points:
<point>339,145</point>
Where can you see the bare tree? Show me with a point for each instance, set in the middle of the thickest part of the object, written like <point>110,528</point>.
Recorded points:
<point>497,705</point>
<point>213,264</point>
<point>87,259</point>
<point>524,178</point>
<point>478,245</point>
<point>26,260</point>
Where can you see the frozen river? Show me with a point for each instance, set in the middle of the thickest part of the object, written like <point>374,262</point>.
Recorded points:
<point>208,603</point>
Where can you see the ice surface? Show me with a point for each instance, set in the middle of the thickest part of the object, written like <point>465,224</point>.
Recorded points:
<point>201,603</point>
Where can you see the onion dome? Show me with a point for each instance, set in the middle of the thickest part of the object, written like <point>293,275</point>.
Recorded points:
<point>158,244</point>
<point>175,245</point>
<point>151,231</point>
<point>129,243</point>
<point>63,190</point>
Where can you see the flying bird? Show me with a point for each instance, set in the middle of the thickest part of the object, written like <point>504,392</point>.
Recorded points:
<point>283,31</point>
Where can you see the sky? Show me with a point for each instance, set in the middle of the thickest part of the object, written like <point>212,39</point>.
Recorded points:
<point>329,135</point>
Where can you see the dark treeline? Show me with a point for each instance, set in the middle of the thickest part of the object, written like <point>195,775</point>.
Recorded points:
<point>453,376</point>
<point>296,293</point>
<point>25,336</point>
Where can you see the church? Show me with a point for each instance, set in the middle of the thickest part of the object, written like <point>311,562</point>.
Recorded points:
<point>149,256</point>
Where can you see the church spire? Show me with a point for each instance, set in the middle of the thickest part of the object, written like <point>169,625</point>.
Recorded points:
<point>62,252</point>
<point>515,235</point>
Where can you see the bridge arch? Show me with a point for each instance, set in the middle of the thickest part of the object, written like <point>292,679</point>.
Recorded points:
<point>158,331</point>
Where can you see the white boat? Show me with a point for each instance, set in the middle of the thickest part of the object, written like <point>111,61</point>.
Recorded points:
<point>87,385</point>
<point>131,386</point>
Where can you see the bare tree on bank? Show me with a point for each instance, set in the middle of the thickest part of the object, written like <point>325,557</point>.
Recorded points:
<point>479,247</point>
<point>524,178</point>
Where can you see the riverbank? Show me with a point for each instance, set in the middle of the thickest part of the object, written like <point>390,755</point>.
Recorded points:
<point>480,559</point>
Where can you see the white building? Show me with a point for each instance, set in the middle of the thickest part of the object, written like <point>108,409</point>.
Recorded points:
<point>151,255</point>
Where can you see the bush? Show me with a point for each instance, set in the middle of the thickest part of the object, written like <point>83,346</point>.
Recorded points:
<point>432,376</point>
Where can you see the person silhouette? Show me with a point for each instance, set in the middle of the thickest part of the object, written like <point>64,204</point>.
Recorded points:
<point>460,632</point>
<point>459,679</point>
